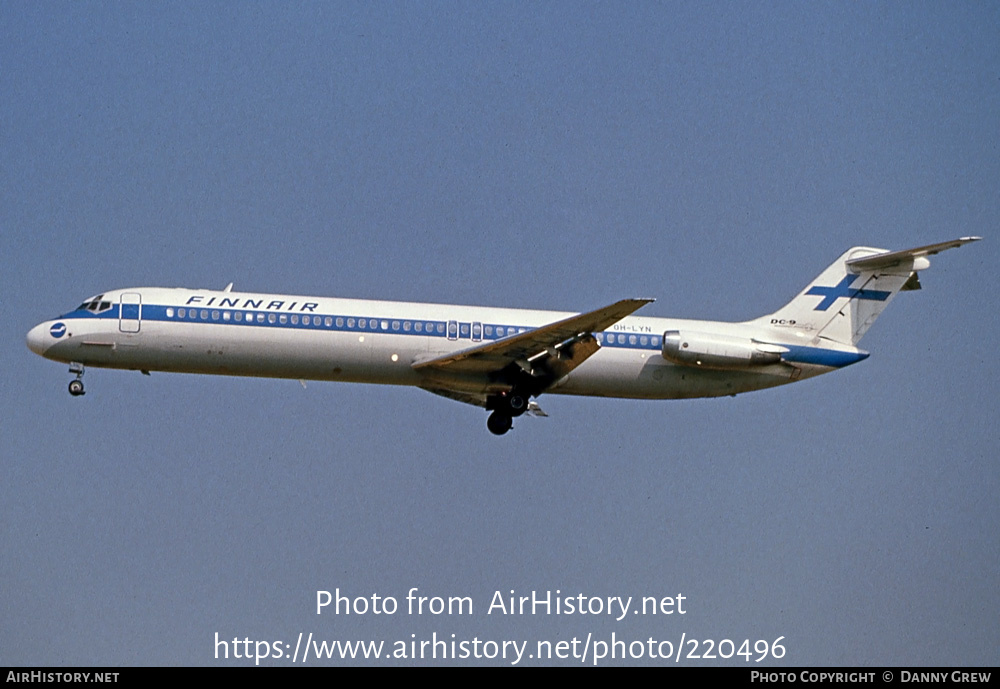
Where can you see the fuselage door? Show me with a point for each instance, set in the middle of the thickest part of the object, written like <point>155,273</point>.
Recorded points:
<point>131,312</point>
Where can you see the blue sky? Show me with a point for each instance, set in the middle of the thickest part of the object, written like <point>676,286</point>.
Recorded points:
<point>563,156</point>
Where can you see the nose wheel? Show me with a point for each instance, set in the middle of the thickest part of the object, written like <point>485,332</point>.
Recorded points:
<point>76,385</point>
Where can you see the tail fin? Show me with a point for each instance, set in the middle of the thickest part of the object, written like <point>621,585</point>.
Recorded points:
<point>843,302</point>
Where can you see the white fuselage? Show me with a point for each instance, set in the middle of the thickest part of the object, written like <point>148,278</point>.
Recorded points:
<point>317,338</point>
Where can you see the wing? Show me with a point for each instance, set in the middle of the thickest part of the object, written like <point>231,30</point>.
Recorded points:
<point>545,355</point>
<point>495,356</point>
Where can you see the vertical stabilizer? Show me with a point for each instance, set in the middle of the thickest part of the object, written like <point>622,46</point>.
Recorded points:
<point>843,302</point>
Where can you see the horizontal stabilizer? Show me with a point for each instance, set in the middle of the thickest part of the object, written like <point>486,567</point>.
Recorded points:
<point>891,259</point>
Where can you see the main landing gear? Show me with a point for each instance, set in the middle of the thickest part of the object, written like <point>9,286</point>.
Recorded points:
<point>505,407</point>
<point>499,423</point>
<point>76,385</point>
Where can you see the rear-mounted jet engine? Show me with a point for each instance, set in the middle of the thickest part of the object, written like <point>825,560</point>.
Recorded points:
<point>707,350</point>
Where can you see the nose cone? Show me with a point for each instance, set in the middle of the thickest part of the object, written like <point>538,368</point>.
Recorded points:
<point>43,335</point>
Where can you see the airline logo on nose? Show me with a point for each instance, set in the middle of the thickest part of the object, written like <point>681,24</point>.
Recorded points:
<point>57,330</point>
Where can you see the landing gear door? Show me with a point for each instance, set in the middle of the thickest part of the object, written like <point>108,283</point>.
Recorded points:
<point>131,312</point>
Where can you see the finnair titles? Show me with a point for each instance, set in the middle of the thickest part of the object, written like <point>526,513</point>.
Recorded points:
<point>498,359</point>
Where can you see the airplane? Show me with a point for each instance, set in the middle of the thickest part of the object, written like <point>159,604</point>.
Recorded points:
<point>494,358</point>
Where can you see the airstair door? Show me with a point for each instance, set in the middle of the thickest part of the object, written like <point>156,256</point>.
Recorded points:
<point>131,312</point>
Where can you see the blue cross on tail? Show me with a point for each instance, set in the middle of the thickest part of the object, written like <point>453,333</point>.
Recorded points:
<point>843,289</point>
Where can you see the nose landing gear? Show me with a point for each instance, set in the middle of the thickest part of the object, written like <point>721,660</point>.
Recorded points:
<point>76,385</point>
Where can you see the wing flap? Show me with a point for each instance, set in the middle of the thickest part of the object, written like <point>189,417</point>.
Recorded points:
<point>556,364</point>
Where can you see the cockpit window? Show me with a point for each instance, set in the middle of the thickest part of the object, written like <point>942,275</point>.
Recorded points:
<point>94,305</point>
